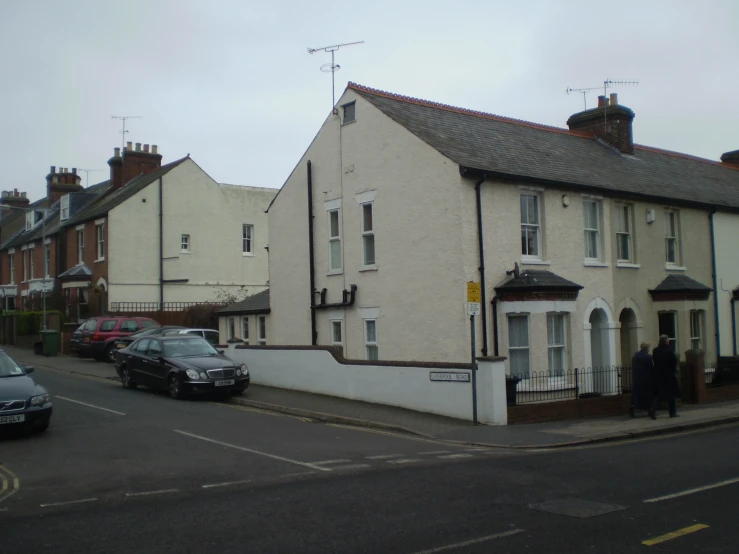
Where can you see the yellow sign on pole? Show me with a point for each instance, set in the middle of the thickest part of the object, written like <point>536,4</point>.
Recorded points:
<point>473,292</point>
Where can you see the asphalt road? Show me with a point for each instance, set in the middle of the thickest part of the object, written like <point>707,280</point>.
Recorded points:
<point>133,471</point>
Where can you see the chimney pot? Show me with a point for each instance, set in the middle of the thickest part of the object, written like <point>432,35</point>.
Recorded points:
<point>23,194</point>
<point>116,152</point>
<point>129,146</point>
<point>153,148</point>
<point>614,99</point>
<point>53,169</point>
<point>138,147</point>
<point>74,171</point>
<point>601,101</point>
<point>15,192</point>
<point>146,148</point>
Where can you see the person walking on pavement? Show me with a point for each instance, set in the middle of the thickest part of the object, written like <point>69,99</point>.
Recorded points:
<point>643,382</point>
<point>665,369</point>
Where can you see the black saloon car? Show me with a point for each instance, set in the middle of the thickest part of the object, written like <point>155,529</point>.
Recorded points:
<point>23,403</point>
<point>181,364</point>
<point>123,342</point>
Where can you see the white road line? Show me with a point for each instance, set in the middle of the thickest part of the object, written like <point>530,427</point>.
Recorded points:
<point>384,456</point>
<point>225,484</point>
<point>68,503</point>
<point>148,493</point>
<point>89,405</point>
<point>404,461</point>
<point>328,462</point>
<point>450,456</point>
<point>353,466</point>
<point>471,542</point>
<point>693,491</point>
<point>257,452</point>
<point>435,452</point>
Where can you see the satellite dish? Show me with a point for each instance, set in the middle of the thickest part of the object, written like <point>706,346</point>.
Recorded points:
<point>516,271</point>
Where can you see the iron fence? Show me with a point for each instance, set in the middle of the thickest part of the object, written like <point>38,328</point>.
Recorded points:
<point>710,371</point>
<point>155,306</point>
<point>570,384</point>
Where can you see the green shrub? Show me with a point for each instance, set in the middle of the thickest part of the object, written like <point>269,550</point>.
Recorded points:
<point>29,323</point>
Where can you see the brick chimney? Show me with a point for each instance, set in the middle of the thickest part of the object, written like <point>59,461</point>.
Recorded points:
<point>62,182</point>
<point>731,158</point>
<point>610,122</point>
<point>12,199</point>
<point>131,163</point>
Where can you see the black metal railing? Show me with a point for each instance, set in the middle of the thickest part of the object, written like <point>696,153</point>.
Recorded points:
<point>710,371</point>
<point>569,384</point>
<point>155,306</point>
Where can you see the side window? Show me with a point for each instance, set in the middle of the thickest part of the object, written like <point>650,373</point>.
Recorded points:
<point>145,324</point>
<point>108,325</point>
<point>198,333</point>
<point>212,337</point>
<point>129,326</point>
<point>91,325</point>
<point>155,349</point>
<point>142,346</point>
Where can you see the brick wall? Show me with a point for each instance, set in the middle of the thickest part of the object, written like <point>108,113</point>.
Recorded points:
<point>601,406</point>
<point>723,393</point>
<point>90,252</point>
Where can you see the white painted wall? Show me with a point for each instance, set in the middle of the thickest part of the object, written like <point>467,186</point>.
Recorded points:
<point>212,215</point>
<point>317,371</point>
<point>726,229</point>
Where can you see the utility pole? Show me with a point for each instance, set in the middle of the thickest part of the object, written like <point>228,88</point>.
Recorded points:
<point>123,119</point>
<point>332,67</point>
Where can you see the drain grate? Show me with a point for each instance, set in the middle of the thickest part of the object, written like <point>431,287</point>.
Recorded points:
<point>575,507</point>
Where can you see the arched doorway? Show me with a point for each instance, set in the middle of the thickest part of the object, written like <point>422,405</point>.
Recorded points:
<point>629,344</point>
<point>600,352</point>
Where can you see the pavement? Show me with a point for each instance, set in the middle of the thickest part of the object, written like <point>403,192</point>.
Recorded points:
<point>328,409</point>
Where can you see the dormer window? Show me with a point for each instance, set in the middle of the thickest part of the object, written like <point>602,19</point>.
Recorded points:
<point>64,209</point>
<point>32,218</point>
<point>349,113</point>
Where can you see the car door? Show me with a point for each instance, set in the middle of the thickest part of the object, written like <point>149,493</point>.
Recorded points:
<point>157,369</point>
<point>134,361</point>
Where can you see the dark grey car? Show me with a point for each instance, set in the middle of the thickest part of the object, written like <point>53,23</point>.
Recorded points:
<point>23,402</point>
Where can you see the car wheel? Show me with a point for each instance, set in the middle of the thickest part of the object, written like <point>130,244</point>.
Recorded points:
<point>110,354</point>
<point>126,379</point>
<point>175,388</point>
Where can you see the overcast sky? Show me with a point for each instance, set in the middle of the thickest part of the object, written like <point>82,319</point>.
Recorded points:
<point>231,83</point>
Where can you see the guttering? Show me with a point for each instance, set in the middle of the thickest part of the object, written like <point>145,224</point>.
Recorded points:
<point>347,299</point>
<point>311,259</point>
<point>715,285</point>
<point>495,324</point>
<point>481,268</point>
<point>161,245</point>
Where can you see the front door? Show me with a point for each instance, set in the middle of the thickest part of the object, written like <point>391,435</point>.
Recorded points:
<point>668,326</point>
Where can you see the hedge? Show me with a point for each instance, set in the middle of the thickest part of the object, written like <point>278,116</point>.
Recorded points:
<point>29,323</point>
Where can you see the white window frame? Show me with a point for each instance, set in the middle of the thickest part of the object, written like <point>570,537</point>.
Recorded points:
<point>333,325</point>
<point>11,266</point>
<point>368,344</point>
<point>64,208</point>
<point>368,235</point>
<point>590,231</point>
<point>80,246</point>
<point>47,260</point>
<point>30,220</point>
<point>247,239</point>
<point>527,348</point>
<point>185,243</point>
<point>332,239</point>
<point>697,326</point>
<point>245,329</point>
<point>628,232</point>
<point>231,328</point>
<point>31,253</point>
<point>531,226</point>
<point>344,107</point>
<point>100,232</point>
<point>25,265</point>
<point>672,235</point>
<point>261,330</point>
<point>560,347</point>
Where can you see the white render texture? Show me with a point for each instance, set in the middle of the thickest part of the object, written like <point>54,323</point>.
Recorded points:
<point>212,215</point>
<point>726,232</point>
<point>317,371</point>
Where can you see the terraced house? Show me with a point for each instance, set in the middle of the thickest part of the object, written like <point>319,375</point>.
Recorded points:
<point>585,243</point>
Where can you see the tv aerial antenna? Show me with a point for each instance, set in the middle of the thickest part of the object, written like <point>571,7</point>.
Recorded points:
<point>123,119</point>
<point>606,84</point>
<point>87,175</point>
<point>332,67</point>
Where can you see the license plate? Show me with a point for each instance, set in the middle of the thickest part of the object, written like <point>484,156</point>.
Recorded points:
<point>225,383</point>
<point>120,345</point>
<point>86,339</point>
<point>20,418</point>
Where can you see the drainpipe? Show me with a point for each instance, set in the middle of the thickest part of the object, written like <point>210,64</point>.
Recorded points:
<point>715,285</point>
<point>495,325</point>
<point>733,323</point>
<point>482,267</point>
<point>311,258</point>
<point>161,245</point>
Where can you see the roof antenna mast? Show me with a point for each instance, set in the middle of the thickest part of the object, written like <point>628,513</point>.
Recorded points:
<point>607,83</point>
<point>123,119</point>
<point>332,67</point>
<point>87,175</point>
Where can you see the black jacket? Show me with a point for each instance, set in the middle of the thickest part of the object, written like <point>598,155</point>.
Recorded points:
<point>665,369</point>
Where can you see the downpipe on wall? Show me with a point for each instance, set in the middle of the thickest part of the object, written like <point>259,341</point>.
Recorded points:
<point>311,259</point>
<point>481,268</point>
<point>715,285</point>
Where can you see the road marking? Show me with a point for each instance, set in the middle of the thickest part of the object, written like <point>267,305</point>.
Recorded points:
<point>435,452</point>
<point>693,491</point>
<point>259,411</point>
<point>327,462</point>
<point>353,466</point>
<point>89,405</point>
<point>404,461</point>
<point>226,484</point>
<point>675,534</point>
<point>148,493</point>
<point>11,478</point>
<point>384,456</point>
<point>471,542</point>
<point>386,433</point>
<point>68,503</point>
<point>450,456</point>
<point>257,452</point>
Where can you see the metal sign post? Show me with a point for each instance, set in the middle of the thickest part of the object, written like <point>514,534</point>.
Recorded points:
<point>473,308</point>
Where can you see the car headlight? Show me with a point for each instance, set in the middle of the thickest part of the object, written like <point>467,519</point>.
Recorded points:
<point>40,400</point>
<point>203,375</point>
<point>244,370</point>
<point>192,374</point>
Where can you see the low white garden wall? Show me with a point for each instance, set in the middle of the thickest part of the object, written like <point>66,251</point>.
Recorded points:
<point>318,371</point>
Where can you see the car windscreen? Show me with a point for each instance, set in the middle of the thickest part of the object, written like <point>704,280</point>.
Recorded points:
<point>185,347</point>
<point>145,332</point>
<point>8,367</point>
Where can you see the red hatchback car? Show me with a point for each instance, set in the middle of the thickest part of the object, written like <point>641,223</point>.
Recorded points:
<point>99,334</point>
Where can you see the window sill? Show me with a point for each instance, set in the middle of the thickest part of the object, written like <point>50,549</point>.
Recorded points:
<point>594,263</point>
<point>673,267</point>
<point>372,267</point>
<point>185,252</point>
<point>99,260</point>
<point>628,265</point>
<point>533,261</point>
<point>247,254</point>
<point>344,123</point>
<point>335,272</point>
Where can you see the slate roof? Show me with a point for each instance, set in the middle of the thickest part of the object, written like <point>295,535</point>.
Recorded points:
<point>109,201</point>
<point>506,147</point>
<point>537,280</point>
<point>77,271</point>
<point>680,283</point>
<point>255,304</point>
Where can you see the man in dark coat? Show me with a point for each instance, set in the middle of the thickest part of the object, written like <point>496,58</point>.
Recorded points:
<point>643,390</point>
<point>665,369</point>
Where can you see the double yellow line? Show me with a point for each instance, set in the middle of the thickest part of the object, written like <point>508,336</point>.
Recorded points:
<point>9,483</point>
